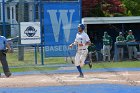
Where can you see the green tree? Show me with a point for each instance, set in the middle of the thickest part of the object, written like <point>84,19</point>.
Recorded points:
<point>101,8</point>
<point>133,7</point>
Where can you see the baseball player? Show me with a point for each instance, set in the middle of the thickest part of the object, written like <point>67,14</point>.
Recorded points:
<point>82,41</point>
<point>120,39</point>
<point>3,45</point>
<point>107,43</point>
<point>131,49</point>
<point>92,52</point>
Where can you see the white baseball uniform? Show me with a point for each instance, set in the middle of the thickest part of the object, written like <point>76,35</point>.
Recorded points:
<point>82,51</point>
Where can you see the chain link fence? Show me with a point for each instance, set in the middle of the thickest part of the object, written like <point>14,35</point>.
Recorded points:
<point>12,12</point>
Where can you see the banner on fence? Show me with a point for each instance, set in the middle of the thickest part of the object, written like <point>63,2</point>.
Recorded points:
<point>30,32</point>
<point>60,27</point>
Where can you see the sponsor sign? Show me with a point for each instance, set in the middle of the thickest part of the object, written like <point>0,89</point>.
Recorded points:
<point>30,32</point>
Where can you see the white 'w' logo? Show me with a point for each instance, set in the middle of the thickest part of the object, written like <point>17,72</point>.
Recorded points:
<point>63,18</point>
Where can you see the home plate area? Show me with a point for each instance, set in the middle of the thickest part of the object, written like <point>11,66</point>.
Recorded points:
<point>127,78</point>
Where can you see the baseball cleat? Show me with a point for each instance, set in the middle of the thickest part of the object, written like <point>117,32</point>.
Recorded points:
<point>81,76</point>
<point>90,65</point>
<point>72,62</point>
<point>8,74</point>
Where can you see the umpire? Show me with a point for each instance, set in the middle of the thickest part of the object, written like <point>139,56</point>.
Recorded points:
<point>3,45</point>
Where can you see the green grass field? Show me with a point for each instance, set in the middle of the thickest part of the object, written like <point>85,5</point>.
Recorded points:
<point>29,63</point>
<point>124,64</point>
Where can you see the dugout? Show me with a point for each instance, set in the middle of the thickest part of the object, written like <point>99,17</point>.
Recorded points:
<point>95,27</point>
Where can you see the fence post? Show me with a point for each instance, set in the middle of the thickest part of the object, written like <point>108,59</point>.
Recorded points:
<point>34,10</point>
<point>3,10</point>
<point>42,56</point>
<point>35,54</point>
<point>20,19</point>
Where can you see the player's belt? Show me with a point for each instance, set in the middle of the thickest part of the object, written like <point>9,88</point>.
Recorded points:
<point>82,49</point>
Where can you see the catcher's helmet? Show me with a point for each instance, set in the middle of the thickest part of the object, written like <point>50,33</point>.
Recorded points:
<point>82,26</point>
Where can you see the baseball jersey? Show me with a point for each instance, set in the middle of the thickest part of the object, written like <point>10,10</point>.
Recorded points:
<point>130,38</point>
<point>3,43</point>
<point>107,40</point>
<point>82,38</point>
<point>120,38</point>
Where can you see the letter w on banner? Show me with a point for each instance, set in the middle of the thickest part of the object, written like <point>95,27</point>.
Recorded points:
<point>60,28</point>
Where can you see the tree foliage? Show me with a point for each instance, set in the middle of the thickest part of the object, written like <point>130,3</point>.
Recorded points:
<point>103,8</point>
<point>113,8</point>
<point>133,7</point>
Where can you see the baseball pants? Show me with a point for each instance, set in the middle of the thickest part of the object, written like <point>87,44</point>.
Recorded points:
<point>106,52</point>
<point>4,62</point>
<point>131,50</point>
<point>81,57</point>
<point>120,53</point>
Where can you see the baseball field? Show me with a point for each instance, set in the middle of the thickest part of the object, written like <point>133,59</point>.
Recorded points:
<point>59,76</point>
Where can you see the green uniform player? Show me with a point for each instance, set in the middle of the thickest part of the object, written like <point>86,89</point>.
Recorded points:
<point>130,38</point>
<point>92,53</point>
<point>120,39</point>
<point>132,50</point>
<point>107,43</point>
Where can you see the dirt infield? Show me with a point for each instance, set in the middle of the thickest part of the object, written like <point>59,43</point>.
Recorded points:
<point>128,78</point>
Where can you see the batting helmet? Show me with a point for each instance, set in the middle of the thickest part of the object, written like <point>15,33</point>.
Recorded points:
<point>82,26</point>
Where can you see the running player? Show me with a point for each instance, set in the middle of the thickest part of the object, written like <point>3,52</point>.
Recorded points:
<point>82,41</point>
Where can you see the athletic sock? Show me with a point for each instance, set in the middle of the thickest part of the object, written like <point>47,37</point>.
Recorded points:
<point>79,69</point>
